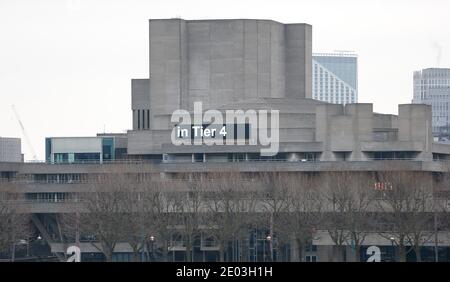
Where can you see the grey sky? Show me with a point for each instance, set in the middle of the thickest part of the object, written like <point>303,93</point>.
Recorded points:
<point>67,65</point>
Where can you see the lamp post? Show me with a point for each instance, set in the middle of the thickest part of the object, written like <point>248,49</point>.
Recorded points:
<point>152,240</point>
<point>393,250</point>
<point>269,239</point>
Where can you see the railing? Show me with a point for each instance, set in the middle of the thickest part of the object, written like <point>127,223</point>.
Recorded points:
<point>90,162</point>
<point>226,161</point>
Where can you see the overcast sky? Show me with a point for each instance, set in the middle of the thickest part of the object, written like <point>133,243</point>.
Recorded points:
<point>67,65</point>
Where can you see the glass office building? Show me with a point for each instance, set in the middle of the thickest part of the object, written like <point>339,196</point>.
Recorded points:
<point>104,147</point>
<point>335,77</point>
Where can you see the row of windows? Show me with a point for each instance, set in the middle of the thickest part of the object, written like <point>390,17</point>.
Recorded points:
<point>435,81</point>
<point>327,86</point>
<point>337,100</point>
<point>49,197</point>
<point>60,178</point>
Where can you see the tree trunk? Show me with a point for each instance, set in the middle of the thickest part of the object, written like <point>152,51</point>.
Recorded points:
<point>337,253</point>
<point>108,254</point>
<point>401,253</point>
<point>301,251</point>
<point>357,253</point>
<point>107,251</point>
<point>165,251</point>
<point>135,257</point>
<point>13,252</point>
<point>343,252</point>
<point>189,251</point>
<point>418,255</point>
<point>221,253</point>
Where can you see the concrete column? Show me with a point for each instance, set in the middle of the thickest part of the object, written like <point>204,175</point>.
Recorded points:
<point>414,123</point>
<point>361,128</point>
<point>325,113</point>
<point>298,61</point>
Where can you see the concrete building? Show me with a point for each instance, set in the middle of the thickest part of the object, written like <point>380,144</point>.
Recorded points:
<point>10,150</point>
<point>335,77</point>
<point>432,87</point>
<point>228,65</point>
<point>254,64</point>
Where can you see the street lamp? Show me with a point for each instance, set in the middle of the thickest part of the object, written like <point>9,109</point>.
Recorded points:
<point>152,240</point>
<point>269,239</point>
<point>393,250</point>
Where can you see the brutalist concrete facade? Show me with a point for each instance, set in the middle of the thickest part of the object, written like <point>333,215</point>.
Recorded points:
<point>261,64</point>
<point>10,150</point>
<point>264,65</point>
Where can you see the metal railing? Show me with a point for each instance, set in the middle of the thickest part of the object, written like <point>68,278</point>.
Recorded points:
<point>157,162</point>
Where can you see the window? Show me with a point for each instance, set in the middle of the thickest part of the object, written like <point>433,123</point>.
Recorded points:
<point>197,157</point>
<point>310,258</point>
<point>139,119</point>
<point>61,157</point>
<point>87,157</point>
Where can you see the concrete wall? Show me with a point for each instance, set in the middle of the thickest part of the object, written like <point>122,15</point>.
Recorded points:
<point>299,60</point>
<point>223,61</point>
<point>415,125</point>
<point>168,68</point>
<point>140,98</point>
<point>355,129</point>
<point>10,150</point>
<point>260,64</point>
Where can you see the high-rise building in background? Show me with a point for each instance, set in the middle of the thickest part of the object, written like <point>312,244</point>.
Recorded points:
<point>335,77</point>
<point>432,87</point>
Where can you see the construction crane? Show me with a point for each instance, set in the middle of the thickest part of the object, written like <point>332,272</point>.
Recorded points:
<point>24,132</point>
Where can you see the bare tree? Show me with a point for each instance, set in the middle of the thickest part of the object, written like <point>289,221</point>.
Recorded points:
<point>228,204</point>
<point>348,196</point>
<point>161,203</point>
<point>14,225</point>
<point>407,205</point>
<point>360,220</point>
<point>305,207</point>
<point>441,218</point>
<point>134,211</point>
<point>105,211</point>
<point>190,207</point>
<point>275,206</point>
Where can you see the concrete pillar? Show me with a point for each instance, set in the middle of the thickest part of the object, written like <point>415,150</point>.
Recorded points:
<point>414,121</point>
<point>361,128</point>
<point>298,61</point>
<point>324,115</point>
